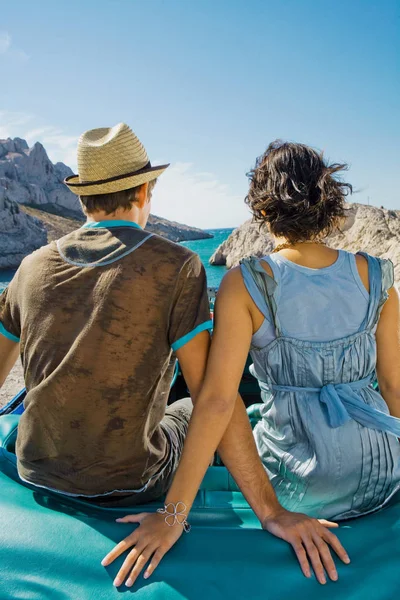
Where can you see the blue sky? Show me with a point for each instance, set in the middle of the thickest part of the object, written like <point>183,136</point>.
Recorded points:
<point>207,85</point>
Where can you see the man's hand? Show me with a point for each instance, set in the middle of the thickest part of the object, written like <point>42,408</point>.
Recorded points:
<point>151,540</point>
<point>310,540</point>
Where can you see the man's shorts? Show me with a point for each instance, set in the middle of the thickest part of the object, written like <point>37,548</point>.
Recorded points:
<point>175,424</point>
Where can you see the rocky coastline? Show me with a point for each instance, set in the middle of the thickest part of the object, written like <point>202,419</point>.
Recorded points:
<point>20,234</point>
<point>368,228</point>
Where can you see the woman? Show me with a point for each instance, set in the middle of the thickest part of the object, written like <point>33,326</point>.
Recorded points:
<point>323,321</point>
<point>318,322</point>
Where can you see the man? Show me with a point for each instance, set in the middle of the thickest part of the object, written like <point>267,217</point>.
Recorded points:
<point>96,317</point>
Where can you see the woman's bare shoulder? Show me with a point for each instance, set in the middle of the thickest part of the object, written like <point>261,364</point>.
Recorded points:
<point>233,289</point>
<point>232,280</point>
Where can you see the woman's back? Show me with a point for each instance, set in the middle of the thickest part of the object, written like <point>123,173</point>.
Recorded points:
<point>318,304</point>
<point>315,358</point>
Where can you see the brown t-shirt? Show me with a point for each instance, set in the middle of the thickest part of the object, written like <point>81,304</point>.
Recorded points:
<point>99,315</point>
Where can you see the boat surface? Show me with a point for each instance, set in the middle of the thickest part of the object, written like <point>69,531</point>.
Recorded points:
<point>51,547</point>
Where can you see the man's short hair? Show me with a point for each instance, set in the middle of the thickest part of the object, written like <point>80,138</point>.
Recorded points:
<point>109,203</point>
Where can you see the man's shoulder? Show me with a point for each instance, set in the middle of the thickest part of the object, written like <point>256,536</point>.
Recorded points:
<point>39,256</point>
<point>175,251</point>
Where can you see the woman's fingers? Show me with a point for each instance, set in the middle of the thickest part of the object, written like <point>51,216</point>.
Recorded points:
<point>155,561</point>
<point>139,566</point>
<point>153,536</point>
<point>128,563</point>
<point>120,548</point>
<point>132,518</point>
<point>127,542</point>
<point>333,541</point>
<point>302,558</point>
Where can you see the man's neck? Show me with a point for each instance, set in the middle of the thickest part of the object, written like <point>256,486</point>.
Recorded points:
<point>132,216</point>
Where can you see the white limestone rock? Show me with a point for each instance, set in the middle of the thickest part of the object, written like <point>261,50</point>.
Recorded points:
<point>30,178</point>
<point>248,239</point>
<point>20,234</point>
<point>176,232</point>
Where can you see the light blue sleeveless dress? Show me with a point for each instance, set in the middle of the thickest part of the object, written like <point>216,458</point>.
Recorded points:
<point>325,435</point>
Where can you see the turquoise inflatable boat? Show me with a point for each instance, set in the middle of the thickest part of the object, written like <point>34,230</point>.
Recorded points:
<point>51,546</point>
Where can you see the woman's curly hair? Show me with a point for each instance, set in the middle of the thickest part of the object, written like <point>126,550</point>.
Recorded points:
<point>296,192</point>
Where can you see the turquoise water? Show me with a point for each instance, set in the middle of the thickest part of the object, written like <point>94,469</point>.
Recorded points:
<point>204,248</point>
<point>5,278</point>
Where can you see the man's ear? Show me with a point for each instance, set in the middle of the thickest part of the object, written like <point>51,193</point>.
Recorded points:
<point>141,195</point>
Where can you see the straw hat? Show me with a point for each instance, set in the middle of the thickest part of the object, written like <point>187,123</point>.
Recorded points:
<point>111,159</point>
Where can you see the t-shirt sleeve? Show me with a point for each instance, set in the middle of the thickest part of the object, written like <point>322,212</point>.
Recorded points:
<point>190,310</point>
<point>10,325</point>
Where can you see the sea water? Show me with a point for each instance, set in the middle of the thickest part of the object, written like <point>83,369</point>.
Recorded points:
<point>5,278</point>
<point>204,248</point>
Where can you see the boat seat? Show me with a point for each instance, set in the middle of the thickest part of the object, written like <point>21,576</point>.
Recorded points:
<point>8,432</point>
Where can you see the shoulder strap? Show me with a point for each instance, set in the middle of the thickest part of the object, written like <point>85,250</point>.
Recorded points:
<point>261,288</point>
<point>381,279</point>
<point>387,282</point>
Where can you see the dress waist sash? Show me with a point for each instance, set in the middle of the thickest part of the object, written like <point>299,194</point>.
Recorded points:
<point>343,403</point>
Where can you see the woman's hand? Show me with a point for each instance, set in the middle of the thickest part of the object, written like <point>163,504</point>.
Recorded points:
<point>310,540</point>
<point>151,540</point>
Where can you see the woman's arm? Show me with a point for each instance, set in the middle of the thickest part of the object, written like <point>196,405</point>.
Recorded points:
<point>388,349</point>
<point>233,330</point>
<point>217,406</point>
<point>213,408</point>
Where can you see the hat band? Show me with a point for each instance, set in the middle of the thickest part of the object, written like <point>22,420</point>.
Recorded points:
<point>146,169</point>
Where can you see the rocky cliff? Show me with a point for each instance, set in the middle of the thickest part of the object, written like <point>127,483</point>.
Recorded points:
<point>28,177</point>
<point>36,206</point>
<point>176,232</point>
<point>374,230</point>
<point>20,234</point>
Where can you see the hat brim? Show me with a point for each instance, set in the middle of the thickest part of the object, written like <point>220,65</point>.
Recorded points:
<point>115,184</point>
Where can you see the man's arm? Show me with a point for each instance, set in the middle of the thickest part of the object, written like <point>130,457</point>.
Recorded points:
<point>9,351</point>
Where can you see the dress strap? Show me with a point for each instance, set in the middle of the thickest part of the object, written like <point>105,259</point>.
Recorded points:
<point>381,279</point>
<point>261,288</point>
